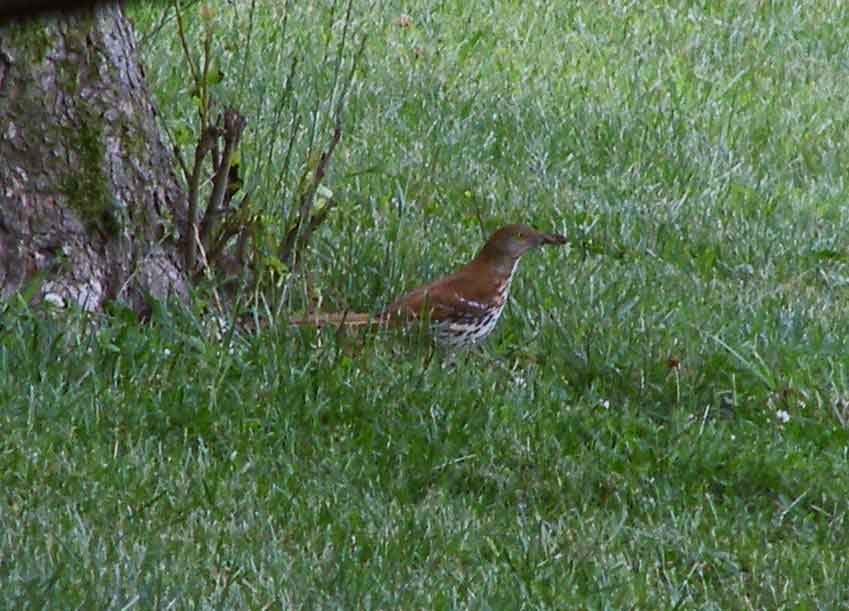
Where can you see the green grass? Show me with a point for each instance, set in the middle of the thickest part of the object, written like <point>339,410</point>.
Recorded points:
<point>660,420</point>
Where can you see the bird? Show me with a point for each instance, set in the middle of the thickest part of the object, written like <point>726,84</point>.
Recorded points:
<point>462,308</point>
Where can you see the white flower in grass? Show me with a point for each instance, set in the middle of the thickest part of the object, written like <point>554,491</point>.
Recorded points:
<point>783,416</point>
<point>605,404</point>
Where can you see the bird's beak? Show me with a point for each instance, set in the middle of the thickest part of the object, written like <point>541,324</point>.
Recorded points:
<point>552,238</point>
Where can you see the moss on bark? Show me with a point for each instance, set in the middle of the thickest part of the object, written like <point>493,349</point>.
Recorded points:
<point>87,186</point>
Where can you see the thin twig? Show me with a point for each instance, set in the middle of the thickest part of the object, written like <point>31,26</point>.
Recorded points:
<point>247,47</point>
<point>184,43</point>
<point>178,153</point>
<point>203,86</point>
<point>285,97</point>
<point>293,237</point>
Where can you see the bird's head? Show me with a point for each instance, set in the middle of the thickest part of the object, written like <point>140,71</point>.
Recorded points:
<point>512,241</point>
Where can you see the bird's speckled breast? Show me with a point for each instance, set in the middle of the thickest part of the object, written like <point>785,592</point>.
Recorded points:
<point>470,330</point>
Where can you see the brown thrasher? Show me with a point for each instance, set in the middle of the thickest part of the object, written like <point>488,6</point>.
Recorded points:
<point>463,307</point>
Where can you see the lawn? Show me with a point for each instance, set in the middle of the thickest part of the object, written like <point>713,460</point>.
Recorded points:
<point>659,421</point>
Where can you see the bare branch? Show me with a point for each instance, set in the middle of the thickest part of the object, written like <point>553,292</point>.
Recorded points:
<point>203,147</point>
<point>234,125</point>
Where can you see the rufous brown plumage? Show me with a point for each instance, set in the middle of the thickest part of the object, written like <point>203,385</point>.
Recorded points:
<point>463,307</point>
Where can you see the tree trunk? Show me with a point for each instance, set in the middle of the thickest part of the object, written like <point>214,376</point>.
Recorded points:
<point>87,188</point>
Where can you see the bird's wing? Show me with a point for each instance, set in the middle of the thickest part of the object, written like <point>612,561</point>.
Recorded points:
<point>449,297</point>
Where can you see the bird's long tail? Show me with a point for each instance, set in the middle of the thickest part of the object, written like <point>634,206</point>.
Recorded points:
<point>337,319</point>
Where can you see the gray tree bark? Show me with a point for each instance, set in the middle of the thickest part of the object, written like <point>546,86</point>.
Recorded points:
<point>87,188</point>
